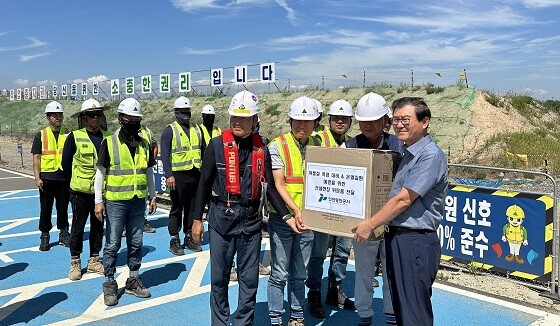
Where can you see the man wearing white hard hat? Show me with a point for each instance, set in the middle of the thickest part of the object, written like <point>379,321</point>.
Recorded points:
<point>125,177</point>
<point>236,179</point>
<point>320,127</point>
<point>47,150</point>
<point>207,125</point>
<point>371,113</point>
<point>182,146</point>
<point>290,240</point>
<point>340,119</point>
<point>79,163</point>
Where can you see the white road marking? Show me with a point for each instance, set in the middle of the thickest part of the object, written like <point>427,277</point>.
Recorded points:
<point>18,173</point>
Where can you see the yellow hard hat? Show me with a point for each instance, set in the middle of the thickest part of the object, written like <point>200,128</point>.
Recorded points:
<point>515,211</point>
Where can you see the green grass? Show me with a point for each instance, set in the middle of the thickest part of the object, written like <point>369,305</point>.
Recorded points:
<point>432,89</point>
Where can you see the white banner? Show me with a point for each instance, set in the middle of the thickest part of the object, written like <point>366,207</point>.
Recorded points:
<point>146,84</point>
<point>184,82</point>
<point>42,92</point>
<point>268,72</point>
<point>164,83</point>
<point>12,97</point>
<point>34,93</point>
<point>216,77</point>
<point>129,84</point>
<point>64,90</point>
<point>240,75</point>
<point>115,87</point>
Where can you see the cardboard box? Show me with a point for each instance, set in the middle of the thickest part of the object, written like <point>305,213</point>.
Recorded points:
<point>345,186</point>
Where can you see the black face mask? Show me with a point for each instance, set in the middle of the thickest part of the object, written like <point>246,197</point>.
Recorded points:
<point>183,118</point>
<point>131,128</point>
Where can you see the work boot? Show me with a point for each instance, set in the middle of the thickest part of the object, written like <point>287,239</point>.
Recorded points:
<point>189,244</point>
<point>337,297</point>
<point>518,260</point>
<point>233,275</point>
<point>148,228</point>
<point>110,289</point>
<point>64,238</point>
<point>94,265</point>
<point>314,304</point>
<point>45,242</point>
<point>263,270</point>
<point>75,272</point>
<point>296,322</point>
<point>375,283</point>
<point>134,286</point>
<point>175,247</point>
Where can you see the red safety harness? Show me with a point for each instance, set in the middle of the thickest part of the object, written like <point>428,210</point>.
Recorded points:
<point>231,156</point>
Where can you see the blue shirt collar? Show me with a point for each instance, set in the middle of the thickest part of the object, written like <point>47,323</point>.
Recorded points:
<point>415,148</point>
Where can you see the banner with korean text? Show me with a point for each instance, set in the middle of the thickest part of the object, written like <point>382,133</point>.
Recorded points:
<point>500,231</point>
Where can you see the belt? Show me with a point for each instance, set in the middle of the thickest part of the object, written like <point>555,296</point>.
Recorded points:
<point>401,230</point>
<point>235,199</point>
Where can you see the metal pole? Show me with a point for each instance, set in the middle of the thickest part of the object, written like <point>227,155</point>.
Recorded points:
<point>364,82</point>
<point>466,81</point>
<point>412,76</point>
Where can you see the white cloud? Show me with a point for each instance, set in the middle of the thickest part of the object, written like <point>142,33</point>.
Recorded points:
<point>191,5</point>
<point>292,17</point>
<point>21,82</point>
<point>535,92</point>
<point>46,82</point>
<point>77,81</point>
<point>214,51</point>
<point>98,78</point>
<point>28,57</point>
<point>35,43</point>
<point>541,3</point>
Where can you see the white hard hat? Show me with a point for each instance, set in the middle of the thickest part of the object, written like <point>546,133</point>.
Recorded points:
<point>54,107</point>
<point>90,105</point>
<point>244,104</point>
<point>182,103</point>
<point>303,108</point>
<point>208,109</point>
<point>130,106</point>
<point>319,106</point>
<point>341,107</point>
<point>371,107</point>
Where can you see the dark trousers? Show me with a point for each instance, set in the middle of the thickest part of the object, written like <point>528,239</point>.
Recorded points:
<point>182,204</point>
<point>59,190</point>
<point>82,207</point>
<point>412,265</point>
<point>222,251</point>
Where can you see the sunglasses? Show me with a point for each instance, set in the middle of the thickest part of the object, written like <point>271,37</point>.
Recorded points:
<point>94,114</point>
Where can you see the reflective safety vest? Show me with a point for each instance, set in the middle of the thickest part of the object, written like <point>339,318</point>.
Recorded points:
<point>147,134</point>
<point>216,131</point>
<point>328,140</point>
<point>84,162</point>
<point>51,149</point>
<point>293,165</point>
<point>126,177</point>
<point>185,151</point>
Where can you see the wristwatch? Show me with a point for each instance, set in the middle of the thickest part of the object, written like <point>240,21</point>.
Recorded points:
<point>286,217</point>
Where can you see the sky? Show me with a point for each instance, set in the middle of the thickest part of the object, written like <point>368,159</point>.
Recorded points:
<point>502,45</point>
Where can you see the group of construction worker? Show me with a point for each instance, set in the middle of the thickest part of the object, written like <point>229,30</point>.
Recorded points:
<point>238,178</point>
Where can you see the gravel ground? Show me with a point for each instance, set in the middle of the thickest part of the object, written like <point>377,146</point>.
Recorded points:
<point>490,285</point>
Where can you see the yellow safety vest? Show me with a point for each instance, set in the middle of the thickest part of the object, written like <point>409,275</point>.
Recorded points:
<point>84,162</point>
<point>293,165</point>
<point>216,131</point>
<point>147,134</point>
<point>514,234</point>
<point>126,177</point>
<point>51,150</point>
<point>185,151</point>
<point>328,140</point>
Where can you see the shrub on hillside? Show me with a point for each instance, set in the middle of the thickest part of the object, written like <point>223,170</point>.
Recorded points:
<point>272,109</point>
<point>552,105</point>
<point>432,89</point>
<point>493,99</point>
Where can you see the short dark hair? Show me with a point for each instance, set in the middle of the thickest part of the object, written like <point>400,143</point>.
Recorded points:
<point>420,107</point>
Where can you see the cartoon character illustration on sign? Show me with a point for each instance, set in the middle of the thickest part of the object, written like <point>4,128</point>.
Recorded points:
<point>514,233</point>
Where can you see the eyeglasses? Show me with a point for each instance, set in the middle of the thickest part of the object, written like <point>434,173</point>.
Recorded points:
<point>94,114</point>
<point>404,120</point>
